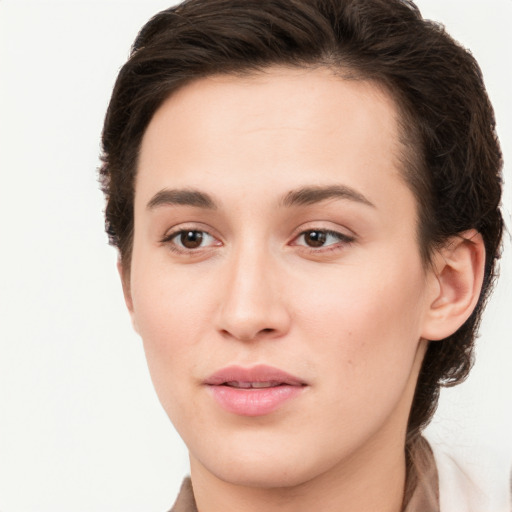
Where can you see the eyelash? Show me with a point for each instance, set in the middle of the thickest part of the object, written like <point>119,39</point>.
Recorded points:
<point>343,241</point>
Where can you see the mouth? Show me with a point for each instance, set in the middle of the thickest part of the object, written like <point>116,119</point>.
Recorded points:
<point>255,391</point>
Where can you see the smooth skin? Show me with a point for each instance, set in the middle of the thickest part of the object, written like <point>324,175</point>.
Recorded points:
<point>273,226</point>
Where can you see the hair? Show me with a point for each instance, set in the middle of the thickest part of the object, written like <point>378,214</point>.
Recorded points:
<point>451,158</point>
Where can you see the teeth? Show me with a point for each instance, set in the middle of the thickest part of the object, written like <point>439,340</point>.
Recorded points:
<point>262,384</point>
<point>236,384</point>
<point>249,385</point>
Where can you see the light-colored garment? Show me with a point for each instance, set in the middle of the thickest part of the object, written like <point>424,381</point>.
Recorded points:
<point>471,483</point>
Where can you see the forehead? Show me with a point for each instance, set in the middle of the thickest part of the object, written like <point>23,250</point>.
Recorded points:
<point>273,128</point>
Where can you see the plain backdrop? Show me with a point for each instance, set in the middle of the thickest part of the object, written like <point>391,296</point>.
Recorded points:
<point>80,426</point>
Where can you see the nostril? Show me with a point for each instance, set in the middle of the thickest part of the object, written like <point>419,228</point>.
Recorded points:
<point>248,336</point>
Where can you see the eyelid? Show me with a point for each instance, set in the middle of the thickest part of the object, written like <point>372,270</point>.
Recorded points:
<point>188,226</point>
<point>326,227</point>
<point>341,236</point>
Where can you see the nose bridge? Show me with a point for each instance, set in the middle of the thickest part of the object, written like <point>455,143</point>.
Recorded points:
<point>252,304</point>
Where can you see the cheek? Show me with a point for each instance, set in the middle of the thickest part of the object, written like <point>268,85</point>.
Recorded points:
<point>169,324</point>
<point>366,325</point>
<point>364,340</point>
<point>382,291</point>
<point>172,315</point>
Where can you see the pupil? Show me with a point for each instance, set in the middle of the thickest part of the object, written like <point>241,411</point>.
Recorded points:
<point>191,239</point>
<point>315,238</point>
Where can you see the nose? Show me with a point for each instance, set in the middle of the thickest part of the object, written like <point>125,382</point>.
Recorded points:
<point>252,302</point>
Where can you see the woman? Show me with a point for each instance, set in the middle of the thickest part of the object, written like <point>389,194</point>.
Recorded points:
<point>305,198</point>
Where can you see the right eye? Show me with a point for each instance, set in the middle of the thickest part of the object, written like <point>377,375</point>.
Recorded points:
<point>188,240</point>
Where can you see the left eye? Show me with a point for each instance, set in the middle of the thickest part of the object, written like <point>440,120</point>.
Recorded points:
<point>321,238</point>
<point>190,239</point>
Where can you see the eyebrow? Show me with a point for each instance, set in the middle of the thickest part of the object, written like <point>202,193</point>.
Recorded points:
<point>311,195</point>
<point>300,197</point>
<point>181,197</point>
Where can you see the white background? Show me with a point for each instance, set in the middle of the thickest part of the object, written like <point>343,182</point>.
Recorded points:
<point>80,426</point>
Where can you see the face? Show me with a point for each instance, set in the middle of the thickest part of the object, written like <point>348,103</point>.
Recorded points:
<point>276,280</point>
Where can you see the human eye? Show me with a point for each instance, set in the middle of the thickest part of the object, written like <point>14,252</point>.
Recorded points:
<point>322,239</point>
<point>189,241</point>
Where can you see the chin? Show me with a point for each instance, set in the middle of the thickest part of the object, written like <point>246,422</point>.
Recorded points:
<point>264,475</point>
<point>271,466</point>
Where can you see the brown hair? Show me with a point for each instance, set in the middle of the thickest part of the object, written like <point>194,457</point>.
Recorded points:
<point>452,159</point>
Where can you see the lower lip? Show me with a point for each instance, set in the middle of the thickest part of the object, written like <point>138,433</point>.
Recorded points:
<point>254,401</point>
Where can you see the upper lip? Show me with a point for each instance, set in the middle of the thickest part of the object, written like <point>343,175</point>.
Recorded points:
<point>259,373</point>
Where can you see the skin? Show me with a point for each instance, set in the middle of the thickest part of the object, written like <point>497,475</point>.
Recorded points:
<point>350,318</point>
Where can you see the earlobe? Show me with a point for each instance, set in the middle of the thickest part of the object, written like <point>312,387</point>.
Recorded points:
<point>125,281</point>
<point>459,271</point>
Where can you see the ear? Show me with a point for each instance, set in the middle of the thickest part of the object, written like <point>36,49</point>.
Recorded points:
<point>458,270</point>
<point>125,281</point>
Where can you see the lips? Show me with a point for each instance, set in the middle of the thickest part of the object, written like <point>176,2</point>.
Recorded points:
<point>260,374</point>
<point>253,391</point>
